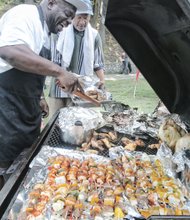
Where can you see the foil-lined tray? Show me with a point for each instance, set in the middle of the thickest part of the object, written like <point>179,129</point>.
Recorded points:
<point>152,187</point>
<point>38,174</point>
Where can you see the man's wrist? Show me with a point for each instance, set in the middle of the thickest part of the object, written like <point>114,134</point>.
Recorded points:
<point>42,97</point>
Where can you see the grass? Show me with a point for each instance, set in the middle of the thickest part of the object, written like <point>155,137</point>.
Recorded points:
<point>122,90</point>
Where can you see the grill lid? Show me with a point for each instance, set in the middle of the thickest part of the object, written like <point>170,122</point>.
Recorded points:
<point>156,36</point>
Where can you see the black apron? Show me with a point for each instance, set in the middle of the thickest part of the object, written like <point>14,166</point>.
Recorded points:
<point>20,113</point>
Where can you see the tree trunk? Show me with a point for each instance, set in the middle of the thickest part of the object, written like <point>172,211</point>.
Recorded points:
<point>102,28</point>
<point>29,1</point>
<point>94,18</point>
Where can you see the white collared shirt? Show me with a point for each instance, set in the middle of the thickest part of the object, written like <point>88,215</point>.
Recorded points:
<point>22,25</point>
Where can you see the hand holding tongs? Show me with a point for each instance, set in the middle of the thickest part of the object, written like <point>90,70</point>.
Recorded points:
<point>77,90</point>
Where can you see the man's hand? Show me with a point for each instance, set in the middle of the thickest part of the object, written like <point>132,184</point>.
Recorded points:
<point>68,81</point>
<point>101,85</point>
<point>44,107</point>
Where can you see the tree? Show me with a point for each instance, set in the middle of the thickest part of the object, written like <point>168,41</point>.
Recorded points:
<point>29,1</point>
<point>98,19</point>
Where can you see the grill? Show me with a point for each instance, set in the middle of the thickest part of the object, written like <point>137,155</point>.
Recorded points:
<point>51,137</point>
<point>53,140</point>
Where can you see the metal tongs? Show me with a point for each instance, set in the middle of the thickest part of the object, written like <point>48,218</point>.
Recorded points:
<point>78,91</point>
<point>86,97</point>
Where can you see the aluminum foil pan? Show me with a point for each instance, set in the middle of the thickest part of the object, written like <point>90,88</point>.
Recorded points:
<point>38,173</point>
<point>146,177</point>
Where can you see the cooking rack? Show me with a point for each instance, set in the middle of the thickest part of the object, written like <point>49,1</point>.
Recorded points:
<point>54,140</point>
<point>148,141</point>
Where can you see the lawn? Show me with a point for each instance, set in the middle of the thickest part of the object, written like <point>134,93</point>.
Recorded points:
<point>122,88</point>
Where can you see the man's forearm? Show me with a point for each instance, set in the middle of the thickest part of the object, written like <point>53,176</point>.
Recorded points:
<point>100,75</point>
<point>23,58</point>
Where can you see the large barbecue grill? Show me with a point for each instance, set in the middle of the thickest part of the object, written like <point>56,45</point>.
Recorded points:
<point>155,34</point>
<point>51,137</point>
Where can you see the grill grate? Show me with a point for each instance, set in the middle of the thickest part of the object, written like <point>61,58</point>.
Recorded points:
<point>54,140</point>
<point>148,141</point>
<point>147,150</point>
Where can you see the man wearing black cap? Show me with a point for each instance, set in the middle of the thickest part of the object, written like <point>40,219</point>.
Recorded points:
<point>24,54</point>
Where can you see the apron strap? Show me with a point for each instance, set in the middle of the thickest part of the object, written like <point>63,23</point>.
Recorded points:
<point>46,53</point>
<point>41,14</point>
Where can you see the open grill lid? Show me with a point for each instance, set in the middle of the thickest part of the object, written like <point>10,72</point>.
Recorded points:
<point>156,36</point>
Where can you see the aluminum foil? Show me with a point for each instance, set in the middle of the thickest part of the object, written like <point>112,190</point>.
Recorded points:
<point>115,107</point>
<point>182,161</point>
<point>127,120</point>
<point>38,173</point>
<point>116,152</point>
<point>178,121</point>
<point>164,154</point>
<point>70,131</point>
<point>42,158</point>
<point>89,117</point>
<point>119,151</point>
<point>131,122</point>
<point>106,97</point>
<point>90,83</point>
